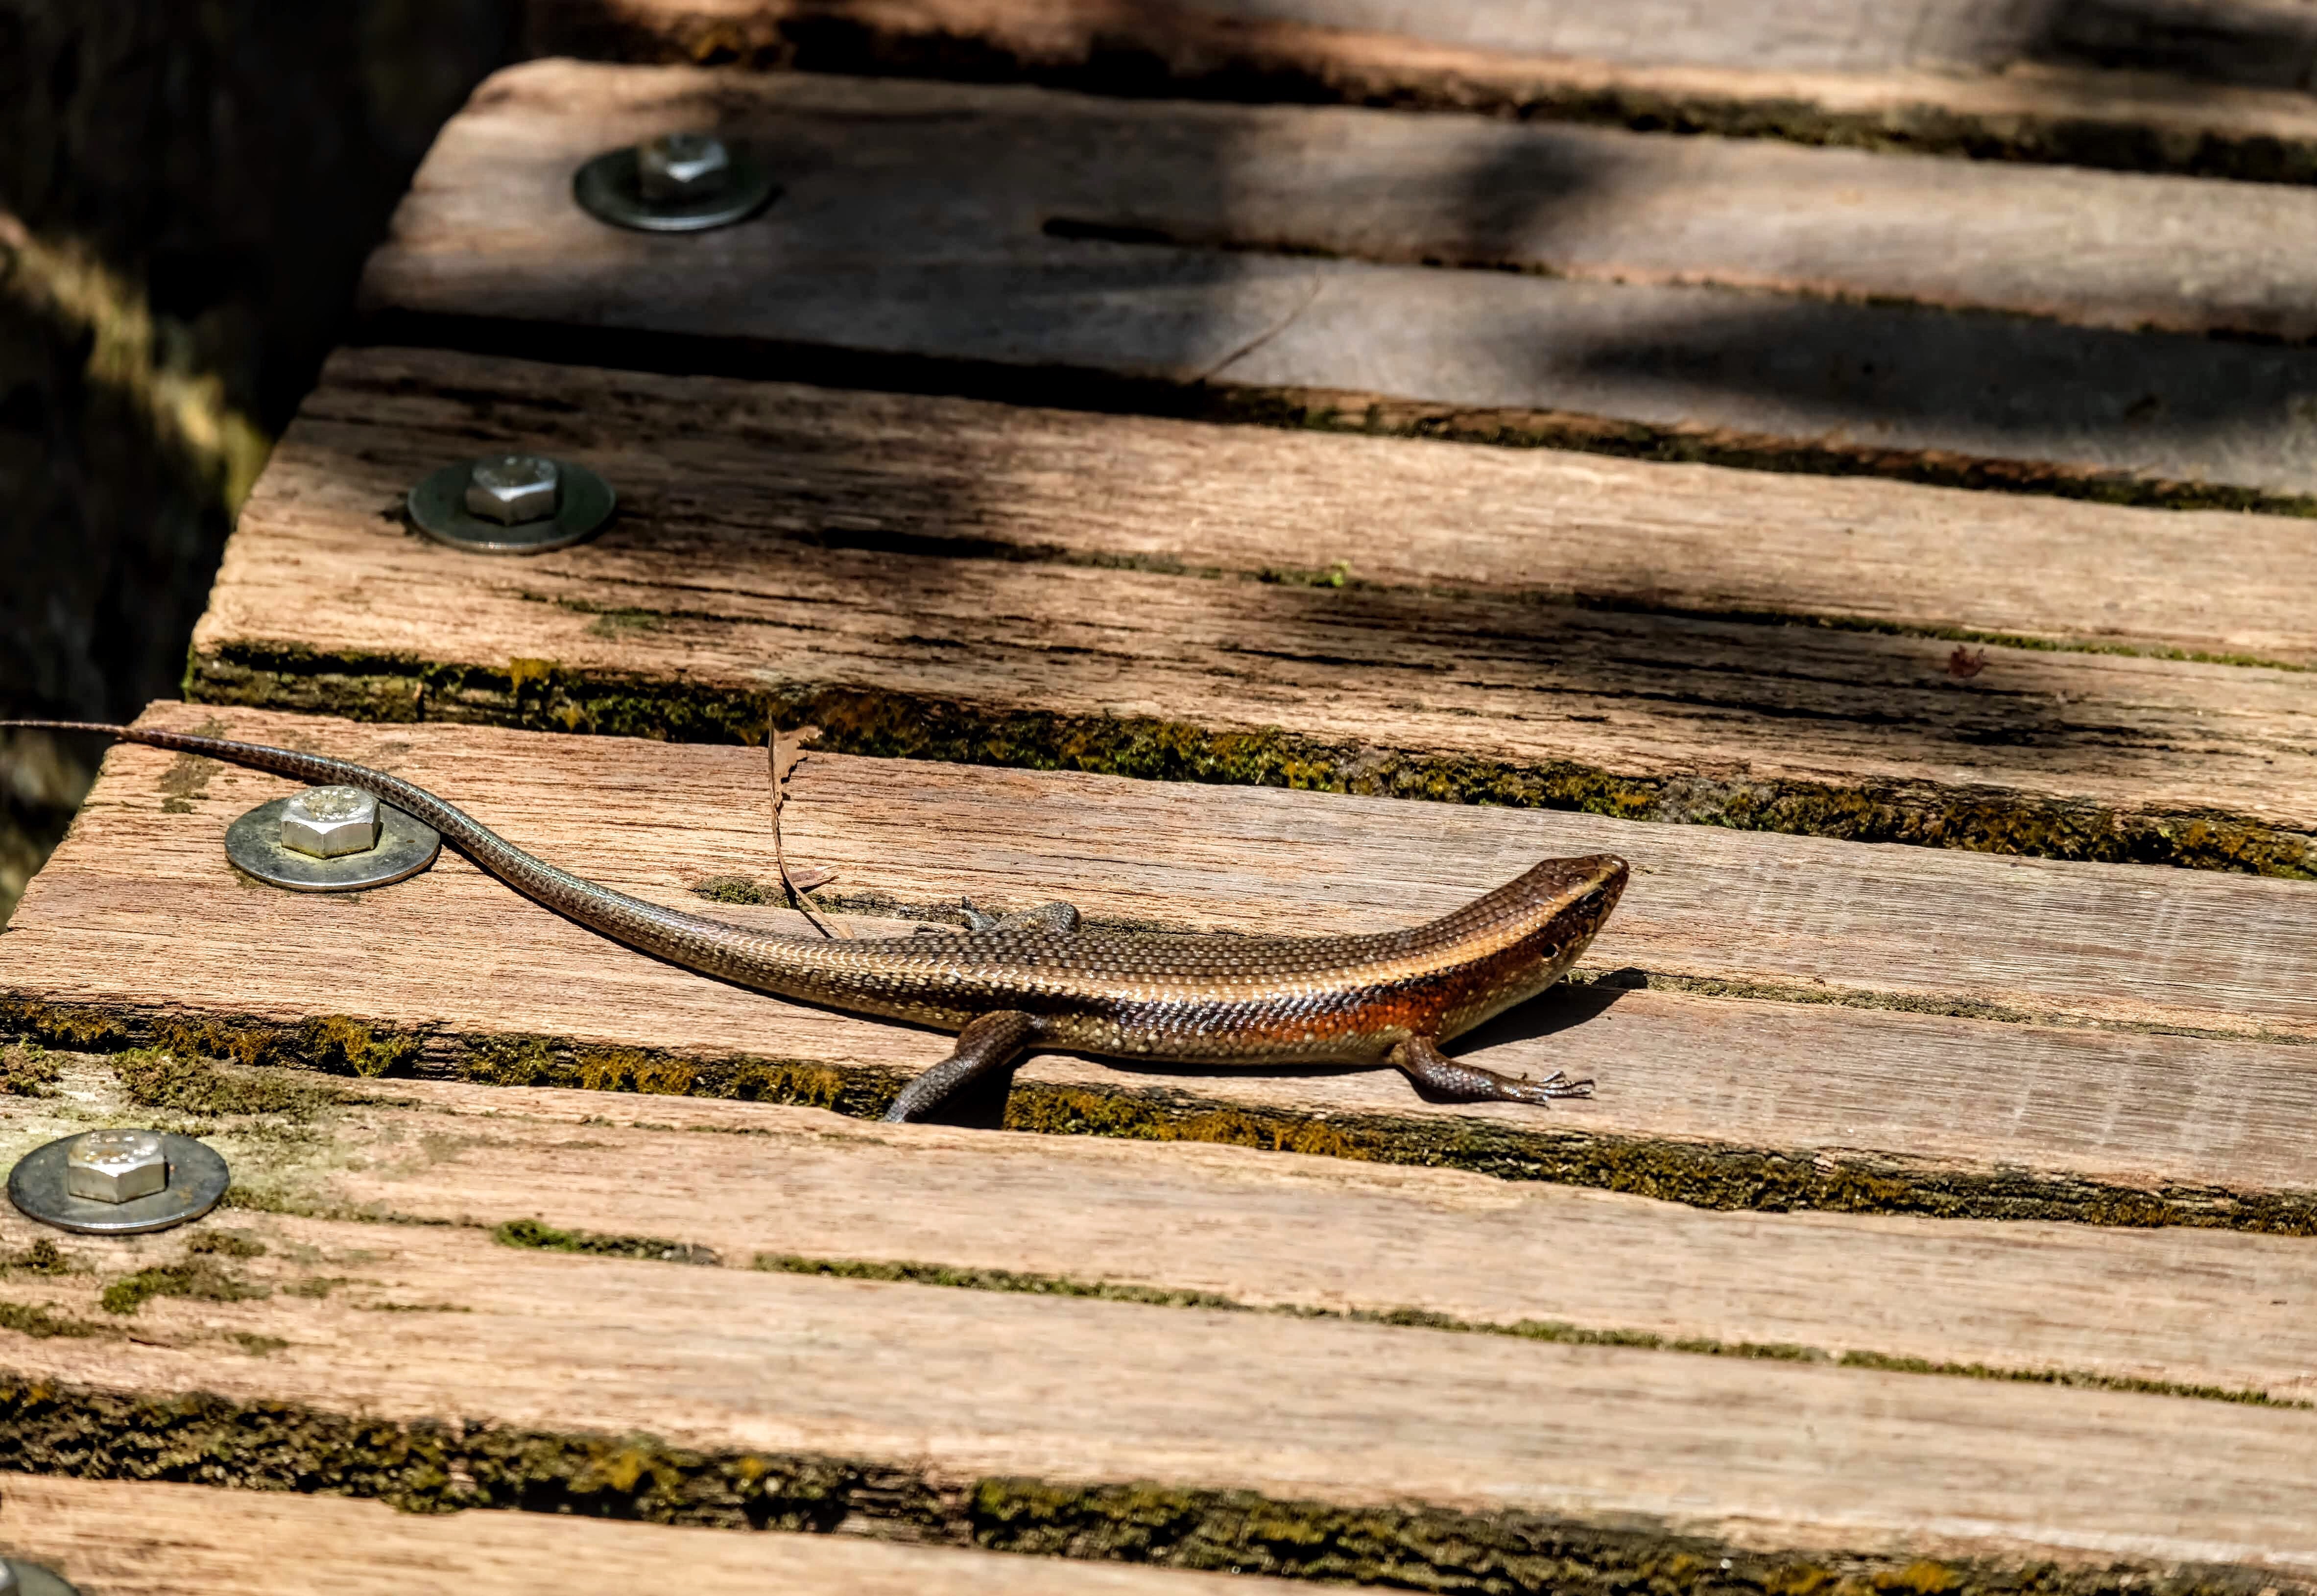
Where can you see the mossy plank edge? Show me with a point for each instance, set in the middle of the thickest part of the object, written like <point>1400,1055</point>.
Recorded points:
<point>1700,1174</point>
<point>540,696</point>
<point>84,1432</point>
<point>1234,61</point>
<point>1296,408</point>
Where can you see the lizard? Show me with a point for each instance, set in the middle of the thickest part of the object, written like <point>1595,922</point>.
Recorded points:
<point>1041,980</point>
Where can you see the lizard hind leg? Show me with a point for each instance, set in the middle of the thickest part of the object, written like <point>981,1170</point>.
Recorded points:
<point>1058,917</point>
<point>988,1044</point>
<point>1442,1078</point>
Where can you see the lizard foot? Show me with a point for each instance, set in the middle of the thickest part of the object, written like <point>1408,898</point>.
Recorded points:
<point>1442,1079</point>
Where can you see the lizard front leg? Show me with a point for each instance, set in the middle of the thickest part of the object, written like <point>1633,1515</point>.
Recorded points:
<point>989,1043</point>
<point>1441,1077</point>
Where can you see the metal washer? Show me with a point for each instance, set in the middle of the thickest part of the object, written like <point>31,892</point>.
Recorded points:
<point>29,1579</point>
<point>438,507</point>
<point>406,846</point>
<point>197,1179</point>
<point>607,189</point>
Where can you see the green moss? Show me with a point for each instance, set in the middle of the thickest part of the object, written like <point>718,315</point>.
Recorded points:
<point>158,1078</point>
<point>199,1278</point>
<point>29,1319</point>
<point>543,1238</point>
<point>42,1256</point>
<point>82,1432</point>
<point>990,1279</point>
<point>1552,1331</point>
<point>897,726</point>
<point>1701,1174</point>
<point>77,1026</point>
<point>522,1060</point>
<point>225,1243</point>
<point>734,889</point>
<point>26,1070</point>
<point>256,1346</point>
<point>346,1046</point>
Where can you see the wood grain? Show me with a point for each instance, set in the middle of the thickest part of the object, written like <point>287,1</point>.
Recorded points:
<point>2211,87</point>
<point>935,1397</point>
<point>959,580</point>
<point>911,228</point>
<point>2210,1311</point>
<point>132,1538</point>
<point>2251,42</point>
<point>2068,1096</point>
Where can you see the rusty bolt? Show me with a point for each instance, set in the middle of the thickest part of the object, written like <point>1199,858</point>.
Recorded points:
<point>328,822</point>
<point>681,166</point>
<point>513,489</point>
<point>115,1166</point>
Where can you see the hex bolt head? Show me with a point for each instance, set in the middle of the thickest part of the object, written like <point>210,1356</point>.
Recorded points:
<point>328,822</point>
<point>115,1166</point>
<point>513,489</point>
<point>681,166</point>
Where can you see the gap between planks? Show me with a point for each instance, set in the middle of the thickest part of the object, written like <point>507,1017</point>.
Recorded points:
<point>2218,96</point>
<point>916,225</point>
<point>2078,1103</point>
<point>959,580</point>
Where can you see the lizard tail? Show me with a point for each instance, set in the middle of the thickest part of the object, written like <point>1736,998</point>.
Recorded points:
<point>668,932</point>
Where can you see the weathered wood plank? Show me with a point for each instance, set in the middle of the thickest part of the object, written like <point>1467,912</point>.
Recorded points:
<point>915,229</point>
<point>2046,1080</point>
<point>1099,1429</point>
<point>960,580</point>
<point>1206,1226</point>
<point>136,1538</point>
<point>2209,88</point>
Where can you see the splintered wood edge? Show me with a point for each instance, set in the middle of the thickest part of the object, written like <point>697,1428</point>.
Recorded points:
<point>2073,116</point>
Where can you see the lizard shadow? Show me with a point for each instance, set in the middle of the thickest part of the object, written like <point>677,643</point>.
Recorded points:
<point>981,1105</point>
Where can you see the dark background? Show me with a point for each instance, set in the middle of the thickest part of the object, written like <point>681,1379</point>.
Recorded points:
<point>187,190</point>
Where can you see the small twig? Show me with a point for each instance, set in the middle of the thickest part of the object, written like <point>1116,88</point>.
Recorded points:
<point>1309,297</point>
<point>783,754</point>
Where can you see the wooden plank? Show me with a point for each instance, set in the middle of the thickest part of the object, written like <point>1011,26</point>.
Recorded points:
<point>2212,87</point>
<point>959,580</point>
<point>1210,1228</point>
<point>1941,1033</point>
<point>917,228</point>
<point>339,1355</point>
<point>133,1538</point>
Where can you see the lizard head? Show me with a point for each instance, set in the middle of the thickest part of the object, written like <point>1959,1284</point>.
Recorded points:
<point>1534,928</point>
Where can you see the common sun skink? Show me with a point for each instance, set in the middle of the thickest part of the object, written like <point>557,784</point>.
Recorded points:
<point>1037,980</point>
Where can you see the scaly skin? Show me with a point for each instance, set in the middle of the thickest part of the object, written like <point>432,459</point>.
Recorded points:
<point>1038,981</point>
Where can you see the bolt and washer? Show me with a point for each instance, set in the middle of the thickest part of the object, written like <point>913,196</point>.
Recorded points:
<point>330,839</point>
<point>513,489</point>
<point>331,822</point>
<point>115,1166</point>
<point>675,183</point>
<point>681,166</point>
<point>511,503</point>
<point>118,1182</point>
<point>29,1579</point>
